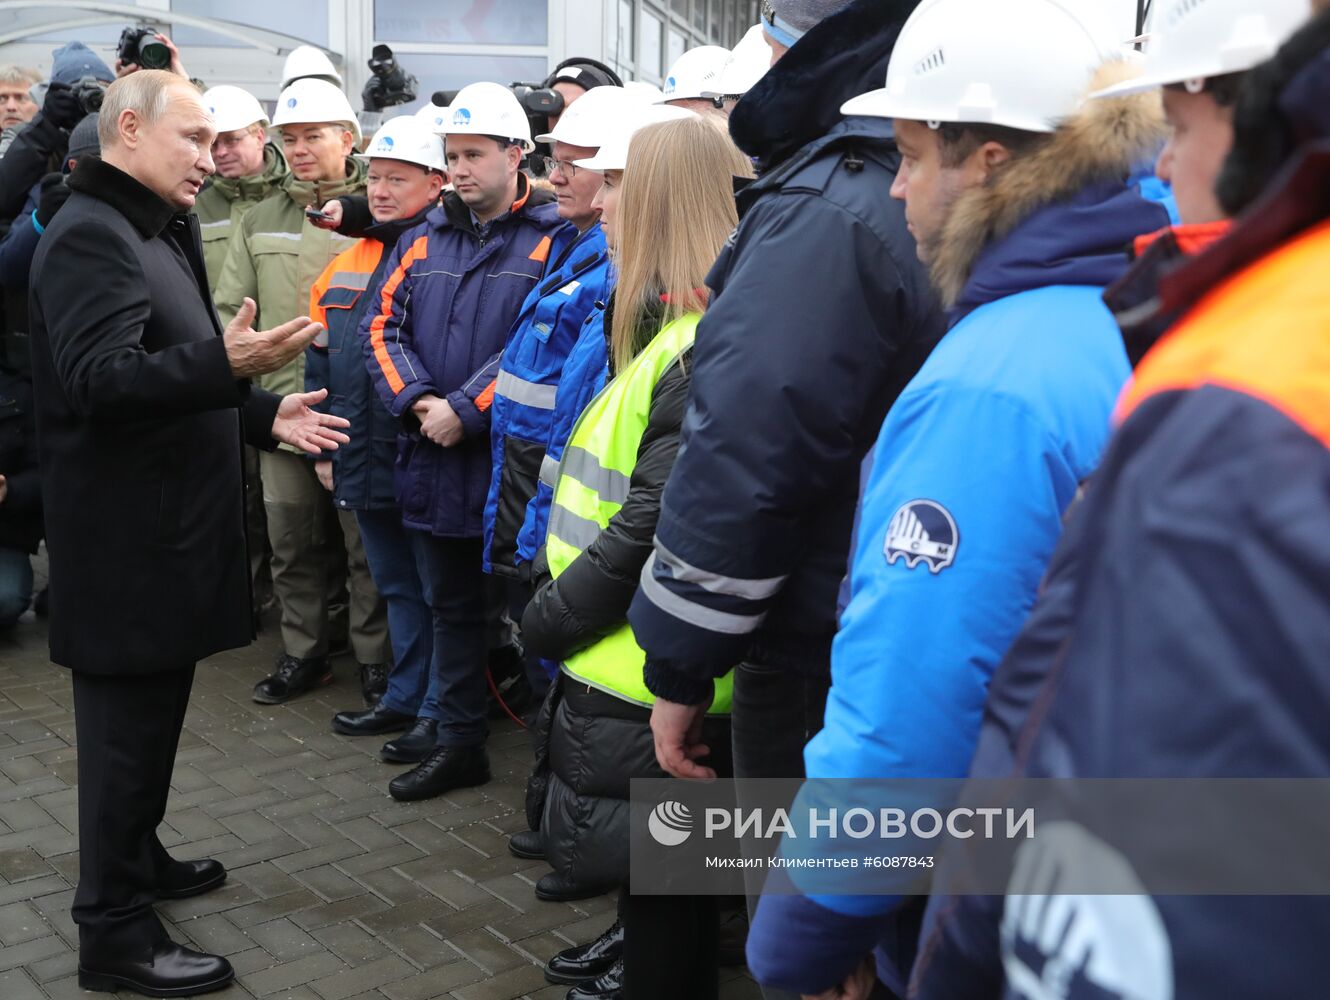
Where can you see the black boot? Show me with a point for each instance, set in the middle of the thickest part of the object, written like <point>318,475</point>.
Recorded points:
<point>443,770</point>
<point>606,987</point>
<point>371,722</point>
<point>373,681</point>
<point>414,745</point>
<point>556,888</point>
<point>183,879</point>
<point>293,677</point>
<point>587,961</point>
<point>165,970</point>
<point>528,844</point>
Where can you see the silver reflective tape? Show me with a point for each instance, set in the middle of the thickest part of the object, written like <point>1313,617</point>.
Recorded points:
<point>296,237</point>
<point>215,225</point>
<point>731,586</point>
<point>519,390</point>
<point>549,470</point>
<point>694,614</point>
<point>350,279</point>
<point>610,486</point>
<point>575,530</point>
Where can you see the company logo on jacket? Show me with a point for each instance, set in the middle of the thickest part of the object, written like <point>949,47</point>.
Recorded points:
<point>922,531</point>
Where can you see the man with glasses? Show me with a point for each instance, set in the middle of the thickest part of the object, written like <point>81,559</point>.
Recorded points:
<point>576,277</point>
<point>275,257</point>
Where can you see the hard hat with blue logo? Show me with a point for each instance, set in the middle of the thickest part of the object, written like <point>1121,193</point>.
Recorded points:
<point>314,102</point>
<point>409,139</point>
<point>488,109</point>
<point>233,108</point>
<point>695,73</point>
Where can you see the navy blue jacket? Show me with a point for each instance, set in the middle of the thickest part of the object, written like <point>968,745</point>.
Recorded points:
<point>820,315</point>
<point>448,301</point>
<point>363,467</point>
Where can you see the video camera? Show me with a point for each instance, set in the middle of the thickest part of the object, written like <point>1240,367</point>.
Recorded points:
<point>540,101</point>
<point>141,47</point>
<point>89,92</point>
<point>390,85</point>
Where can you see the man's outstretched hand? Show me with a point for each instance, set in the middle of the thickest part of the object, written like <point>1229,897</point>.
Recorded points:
<point>301,426</point>
<point>252,352</point>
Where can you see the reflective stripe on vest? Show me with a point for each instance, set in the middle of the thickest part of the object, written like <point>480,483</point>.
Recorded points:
<point>592,485</point>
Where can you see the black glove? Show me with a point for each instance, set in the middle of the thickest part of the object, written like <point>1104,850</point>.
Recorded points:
<point>53,193</point>
<point>61,107</point>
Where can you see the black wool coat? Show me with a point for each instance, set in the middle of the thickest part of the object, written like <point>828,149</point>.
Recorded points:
<point>140,424</point>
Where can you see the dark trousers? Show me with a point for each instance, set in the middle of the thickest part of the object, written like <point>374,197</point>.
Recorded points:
<point>128,729</point>
<point>456,593</point>
<point>775,714</point>
<point>519,594</point>
<point>390,550</point>
<point>670,947</point>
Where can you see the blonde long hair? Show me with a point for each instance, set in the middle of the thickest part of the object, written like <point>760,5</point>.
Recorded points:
<point>676,209</point>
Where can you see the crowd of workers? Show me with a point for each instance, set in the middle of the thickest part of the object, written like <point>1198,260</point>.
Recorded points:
<point>921,390</point>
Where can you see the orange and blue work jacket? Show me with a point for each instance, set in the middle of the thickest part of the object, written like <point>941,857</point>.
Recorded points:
<point>436,326</point>
<point>363,467</point>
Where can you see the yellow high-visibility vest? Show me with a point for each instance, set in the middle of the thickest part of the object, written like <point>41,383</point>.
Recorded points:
<point>592,485</point>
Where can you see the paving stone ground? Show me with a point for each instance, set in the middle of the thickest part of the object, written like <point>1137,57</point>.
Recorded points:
<point>336,892</point>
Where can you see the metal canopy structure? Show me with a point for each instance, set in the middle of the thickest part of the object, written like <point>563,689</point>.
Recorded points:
<point>83,13</point>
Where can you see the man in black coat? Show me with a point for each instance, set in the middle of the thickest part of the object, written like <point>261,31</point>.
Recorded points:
<point>143,402</point>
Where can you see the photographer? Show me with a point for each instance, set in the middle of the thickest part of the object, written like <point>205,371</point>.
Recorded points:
<point>143,48</point>
<point>43,145</point>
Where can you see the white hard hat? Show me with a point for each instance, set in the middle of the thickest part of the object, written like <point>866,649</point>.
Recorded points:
<point>232,108</point>
<point>306,60</point>
<point>432,115</point>
<point>1189,42</point>
<point>613,152</point>
<point>591,116</point>
<point>747,64</point>
<point>408,139</point>
<point>646,93</point>
<point>1022,64</point>
<point>312,102</point>
<point>694,73</point>
<point>488,109</point>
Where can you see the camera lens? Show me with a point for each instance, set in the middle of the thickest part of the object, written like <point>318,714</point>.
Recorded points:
<point>154,55</point>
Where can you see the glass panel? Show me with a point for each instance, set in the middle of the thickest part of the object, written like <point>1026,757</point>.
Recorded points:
<point>649,44</point>
<point>700,15</point>
<point>680,8</point>
<point>623,37</point>
<point>677,46</point>
<point>308,21</point>
<point>491,22</point>
<point>442,72</point>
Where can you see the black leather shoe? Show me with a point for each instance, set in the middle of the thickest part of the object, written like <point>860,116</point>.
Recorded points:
<point>528,844</point>
<point>190,878</point>
<point>169,970</point>
<point>293,677</point>
<point>414,745</point>
<point>587,961</point>
<point>555,888</point>
<point>373,681</point>
<point>371,722</point>
<point>606,987</point>
<point>443,770</point>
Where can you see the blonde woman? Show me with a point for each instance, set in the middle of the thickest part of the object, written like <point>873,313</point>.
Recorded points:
<point>667,206</point>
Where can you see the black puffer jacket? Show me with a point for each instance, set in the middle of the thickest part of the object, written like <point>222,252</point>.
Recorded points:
<point>590,745</point>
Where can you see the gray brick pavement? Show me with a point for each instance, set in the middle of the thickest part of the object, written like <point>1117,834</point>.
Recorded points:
<point>336,892</point>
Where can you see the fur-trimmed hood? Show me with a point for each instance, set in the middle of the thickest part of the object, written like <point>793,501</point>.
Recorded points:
<point>1063,213</point>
